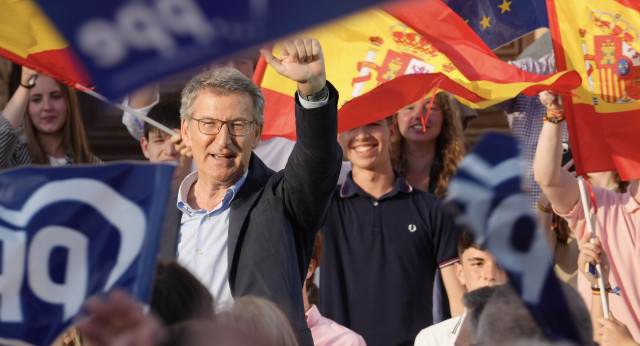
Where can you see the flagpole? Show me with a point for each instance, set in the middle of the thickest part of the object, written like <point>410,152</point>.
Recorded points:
<point>590,220</point>
<point>136,113</point>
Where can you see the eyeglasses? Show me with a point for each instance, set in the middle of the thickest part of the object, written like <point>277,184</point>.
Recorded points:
<point>210,126</point>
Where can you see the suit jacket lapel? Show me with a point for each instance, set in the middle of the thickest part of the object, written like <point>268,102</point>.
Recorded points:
<point>242,203</point>
<point>170,229</point>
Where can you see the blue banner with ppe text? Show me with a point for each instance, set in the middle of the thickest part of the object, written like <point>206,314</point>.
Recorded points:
<point>126,44</point>
<point>67,233</point>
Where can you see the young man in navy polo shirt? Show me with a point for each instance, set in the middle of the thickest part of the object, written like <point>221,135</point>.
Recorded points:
<point>384,240</point>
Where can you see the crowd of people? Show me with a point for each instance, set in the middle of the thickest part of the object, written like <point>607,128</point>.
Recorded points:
<point>244,240</point>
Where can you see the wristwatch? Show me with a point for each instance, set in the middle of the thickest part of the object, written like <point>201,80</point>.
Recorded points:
<point>317,97</point>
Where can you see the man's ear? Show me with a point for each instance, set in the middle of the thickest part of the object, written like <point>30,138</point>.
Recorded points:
<point>184,132</point>
<point>144,144</point>
<point>392,130</point>
<point>258,137</point>
<point>312,268</point>
<point>460,273</point>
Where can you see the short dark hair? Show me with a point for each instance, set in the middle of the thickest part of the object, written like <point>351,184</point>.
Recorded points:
<point>166,112</point>
<point>312,288</point>
<point>465,241</point>
<point>178,296</point>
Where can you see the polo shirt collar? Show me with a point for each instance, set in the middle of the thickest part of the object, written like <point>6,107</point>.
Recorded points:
<point>349,188</point>
<point>629,203</point>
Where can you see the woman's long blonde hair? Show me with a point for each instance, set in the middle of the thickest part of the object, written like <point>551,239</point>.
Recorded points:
<point>74,138</point>
<point>449,144</point>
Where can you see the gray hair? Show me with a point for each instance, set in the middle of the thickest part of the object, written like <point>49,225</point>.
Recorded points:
<point>221,81</point>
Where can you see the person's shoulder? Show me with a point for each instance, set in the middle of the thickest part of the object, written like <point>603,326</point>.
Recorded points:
<point>438,334</point>
<point>427,198</point>
<point>428,336</point>
<point>328,332</point>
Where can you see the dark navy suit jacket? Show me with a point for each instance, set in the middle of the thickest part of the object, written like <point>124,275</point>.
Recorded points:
<point>274,218</point>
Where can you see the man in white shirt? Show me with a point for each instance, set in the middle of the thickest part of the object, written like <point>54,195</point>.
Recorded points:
<point>476,269</point>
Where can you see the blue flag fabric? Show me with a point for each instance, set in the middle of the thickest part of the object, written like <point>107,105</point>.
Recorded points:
<point>67,233</point>
<point>126,44</point>
<point>499,22</point>
<point>486,192</point>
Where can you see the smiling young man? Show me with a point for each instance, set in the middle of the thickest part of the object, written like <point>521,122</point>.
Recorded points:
<point>476,269</point>
<point>383,242</point>
<point>156,145</point>
<point>243,229</point>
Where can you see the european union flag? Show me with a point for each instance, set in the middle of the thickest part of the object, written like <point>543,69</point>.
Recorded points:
<point>499,22</point>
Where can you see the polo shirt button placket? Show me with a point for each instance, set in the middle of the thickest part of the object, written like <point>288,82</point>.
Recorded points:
<point>375,203</point>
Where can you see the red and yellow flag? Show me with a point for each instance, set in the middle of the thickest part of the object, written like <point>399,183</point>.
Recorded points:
<point>27,37</point>
<point>381,60</point>
<point>601,40</point>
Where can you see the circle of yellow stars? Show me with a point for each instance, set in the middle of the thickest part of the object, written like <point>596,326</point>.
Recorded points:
<point>486,21</point>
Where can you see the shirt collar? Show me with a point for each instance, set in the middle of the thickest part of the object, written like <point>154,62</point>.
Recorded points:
<point>189,180</point>
<point>350,188</point>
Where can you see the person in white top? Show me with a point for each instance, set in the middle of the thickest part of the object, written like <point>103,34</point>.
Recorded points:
<point>476,269</point>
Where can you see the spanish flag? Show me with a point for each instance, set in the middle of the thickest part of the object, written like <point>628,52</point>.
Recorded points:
<point>27,37</point>
<point>381,60</point>
<point>601,40</point>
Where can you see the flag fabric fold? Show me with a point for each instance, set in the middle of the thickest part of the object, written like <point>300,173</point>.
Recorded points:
<point>500,22</point>
<point>423,41</point>
<point>67,233</point>
<point>125,44</point>
<point>27,37</point>
<point>600,39</point>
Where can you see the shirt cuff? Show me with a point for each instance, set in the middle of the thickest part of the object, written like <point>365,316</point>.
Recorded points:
<point>311,104</point>
<point>134,125</point>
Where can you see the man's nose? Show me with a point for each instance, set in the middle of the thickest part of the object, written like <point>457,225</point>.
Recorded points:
<point>491,272</point>
<point>223,137</point>
<point>362,132</point>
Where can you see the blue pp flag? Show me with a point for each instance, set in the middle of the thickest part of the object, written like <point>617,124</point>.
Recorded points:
<point>125,44</point>
<point>68,233</point>
<point>499,22</point>
<point>486,192</point>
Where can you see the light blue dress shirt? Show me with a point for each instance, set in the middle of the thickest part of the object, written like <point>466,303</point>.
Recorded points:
<point>203,240</point>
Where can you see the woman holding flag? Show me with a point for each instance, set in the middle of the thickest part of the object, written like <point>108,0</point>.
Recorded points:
<point>42,124</point>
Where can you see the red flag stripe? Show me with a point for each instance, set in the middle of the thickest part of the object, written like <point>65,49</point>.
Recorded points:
<point>61,64</point>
